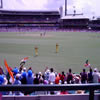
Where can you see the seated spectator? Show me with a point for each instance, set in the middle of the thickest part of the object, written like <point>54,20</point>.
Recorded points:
<point>57,79</point>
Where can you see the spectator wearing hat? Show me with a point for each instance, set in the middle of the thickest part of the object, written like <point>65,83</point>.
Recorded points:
<point>30,77</point>
<point>17,82</point>
<point>23,78</point>
<point>1,79</point>
<point>15,71</point>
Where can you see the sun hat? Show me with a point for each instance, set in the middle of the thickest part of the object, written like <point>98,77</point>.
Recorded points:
<point>30,73</point>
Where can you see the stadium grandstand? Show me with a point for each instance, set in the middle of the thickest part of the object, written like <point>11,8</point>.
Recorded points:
<point>45,20</point>
<point>29,19</point>
<point>74,22</point>
<point>94,24</point>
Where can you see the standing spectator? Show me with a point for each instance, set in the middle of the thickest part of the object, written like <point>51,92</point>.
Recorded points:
<point>96,76</point>
<point>90,76</point>
<point>17,82</point>
<point>83,76</point>
<point>1,71</point>
<point>15,71</point>
<point>29,77</point>
<point>21,69</point>
<point>62,78</point>
<point>1,79</point>
<point>23,78</point>
<point>46,75</point>
<point>30,80</point>
<point>51,76</point>
<point>36,79</point>
<point>70,77</point>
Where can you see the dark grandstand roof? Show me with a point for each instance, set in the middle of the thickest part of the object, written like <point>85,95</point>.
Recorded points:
<point>7,12</point>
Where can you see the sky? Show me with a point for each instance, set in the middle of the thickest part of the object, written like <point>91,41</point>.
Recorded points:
<point>88,7</point>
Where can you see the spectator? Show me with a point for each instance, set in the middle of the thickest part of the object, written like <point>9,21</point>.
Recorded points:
<point>17,82</point>
<point>96,76</point>
<point>24,69</point>
<point>90,76</point>
<point>15,71</point>
<point>57,79</point>
<point>69,77</point>
<point>52,76</point>
<point>1,79</point>
<point>29,77</point>
<point>23,78</point>
<point>46,75</point>
<point>83,76</point>
<point>1,71</point>
<point>21,69</point>
<point>44,80</point>
<point>62,77</point>
<point>36,79</point>
<point>77,79</point>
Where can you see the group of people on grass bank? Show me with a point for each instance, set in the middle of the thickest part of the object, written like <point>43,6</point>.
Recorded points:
<point>27,76</point>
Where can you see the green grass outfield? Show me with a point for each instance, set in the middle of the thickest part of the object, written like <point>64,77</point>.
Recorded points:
<point>74,49</point>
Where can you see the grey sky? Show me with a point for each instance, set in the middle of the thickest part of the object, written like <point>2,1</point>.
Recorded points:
<point>88,7</point>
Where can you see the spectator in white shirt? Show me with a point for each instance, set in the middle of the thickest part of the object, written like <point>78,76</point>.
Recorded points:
<point>51,76</point>
<point>96,76</point>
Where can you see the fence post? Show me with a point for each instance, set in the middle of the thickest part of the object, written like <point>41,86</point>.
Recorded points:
<point>91,94</point>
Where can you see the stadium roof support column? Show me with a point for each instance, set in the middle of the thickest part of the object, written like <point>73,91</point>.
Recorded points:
<point>65,7</point>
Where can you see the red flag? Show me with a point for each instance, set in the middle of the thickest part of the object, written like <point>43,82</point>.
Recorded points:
<point>9,70</point>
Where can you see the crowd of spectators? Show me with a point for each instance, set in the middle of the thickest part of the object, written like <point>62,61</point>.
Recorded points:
<point>28,76</point>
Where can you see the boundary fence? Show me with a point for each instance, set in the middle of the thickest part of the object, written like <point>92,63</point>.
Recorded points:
<point>90,87</point>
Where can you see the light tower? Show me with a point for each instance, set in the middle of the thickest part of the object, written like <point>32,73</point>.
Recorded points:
<point>65,7</point>
<point>1,1</point>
